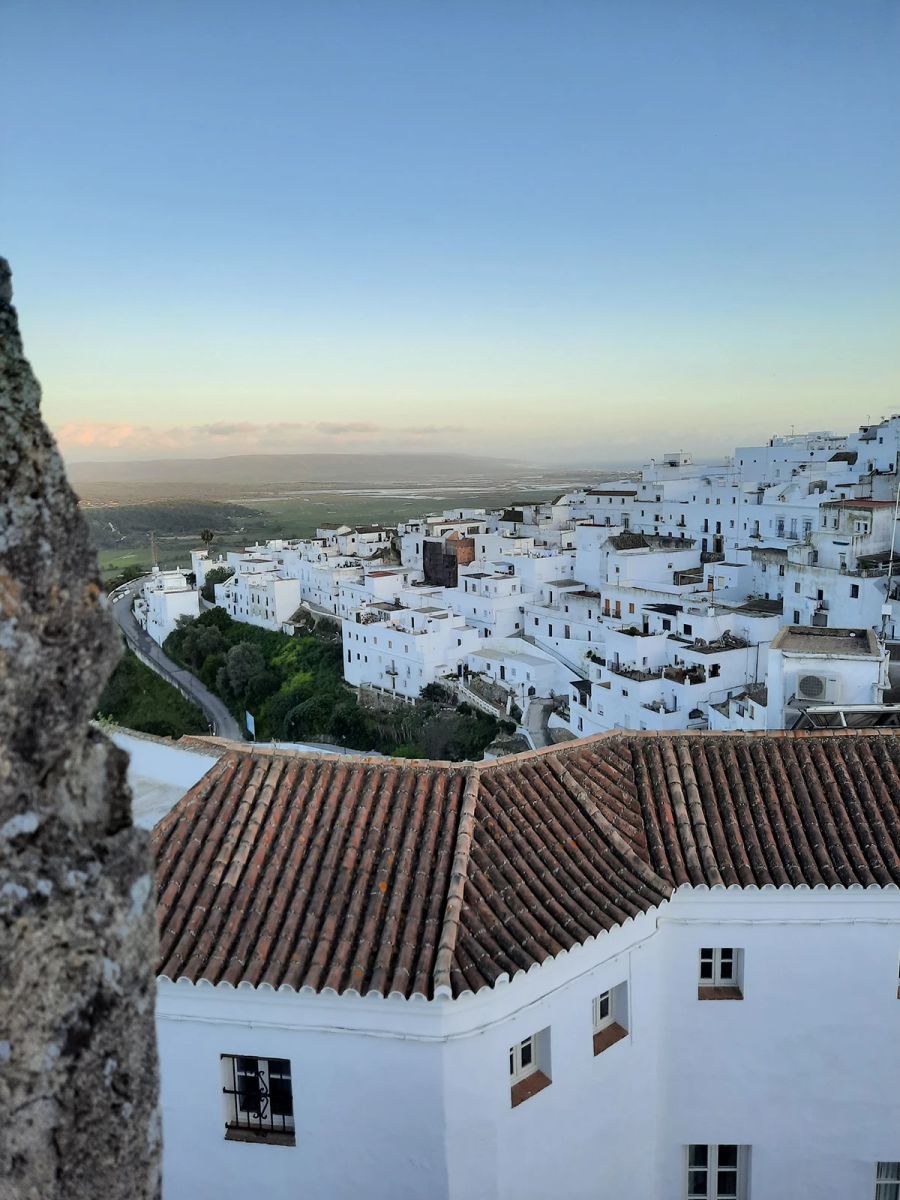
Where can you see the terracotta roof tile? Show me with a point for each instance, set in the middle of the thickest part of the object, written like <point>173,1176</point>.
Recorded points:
<point>436,878</point>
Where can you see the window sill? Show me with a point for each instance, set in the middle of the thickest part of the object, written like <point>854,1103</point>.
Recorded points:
<point>608,1037</point>
<point>266,1139</point>
<point>526,1088</point>
<point>719,993</point>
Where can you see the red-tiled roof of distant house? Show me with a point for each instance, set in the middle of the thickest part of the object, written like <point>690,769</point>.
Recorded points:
<point>385,876</point>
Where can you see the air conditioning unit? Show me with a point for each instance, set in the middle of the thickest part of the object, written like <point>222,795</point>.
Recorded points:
<point>816,687</point>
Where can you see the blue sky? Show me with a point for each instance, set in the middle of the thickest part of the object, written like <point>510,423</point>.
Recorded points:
<point>575,229</point>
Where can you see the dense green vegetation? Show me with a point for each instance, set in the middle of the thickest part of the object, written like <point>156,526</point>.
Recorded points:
<point>294,687</point>
<point>112,527</point>
<point>138,698</point>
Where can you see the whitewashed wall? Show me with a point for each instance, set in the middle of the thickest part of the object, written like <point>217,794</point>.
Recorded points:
<point>400,1099</point>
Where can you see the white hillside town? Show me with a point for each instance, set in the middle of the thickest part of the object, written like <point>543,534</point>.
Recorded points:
<point>749,594</point>
<point>592,961</point>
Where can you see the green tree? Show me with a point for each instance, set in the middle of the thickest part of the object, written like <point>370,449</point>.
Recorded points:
<point>207,537</point>
<point>216,575</point>
<point>243,663</point>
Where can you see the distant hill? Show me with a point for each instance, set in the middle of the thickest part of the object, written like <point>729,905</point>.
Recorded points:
<point>257,470</point>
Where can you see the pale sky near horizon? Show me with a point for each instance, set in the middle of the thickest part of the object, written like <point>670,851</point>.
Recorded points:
<point>585,229</point>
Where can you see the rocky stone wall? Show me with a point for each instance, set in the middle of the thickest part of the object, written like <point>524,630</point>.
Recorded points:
<point>78,1070</point>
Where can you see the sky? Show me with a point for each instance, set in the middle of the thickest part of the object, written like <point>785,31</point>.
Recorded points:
<point>578,230</point>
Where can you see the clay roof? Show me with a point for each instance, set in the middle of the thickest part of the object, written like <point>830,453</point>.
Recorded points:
<point>861,503</point>
<point>431,879</point>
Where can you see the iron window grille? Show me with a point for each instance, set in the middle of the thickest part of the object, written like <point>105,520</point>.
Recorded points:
<point>259,1097</point>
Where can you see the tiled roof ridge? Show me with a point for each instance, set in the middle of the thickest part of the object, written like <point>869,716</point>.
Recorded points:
<point>640,866</point>
<point>216,745</point>
<point>458,875</point>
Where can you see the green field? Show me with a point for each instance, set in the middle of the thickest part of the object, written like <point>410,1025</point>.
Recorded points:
<point>122,531</point>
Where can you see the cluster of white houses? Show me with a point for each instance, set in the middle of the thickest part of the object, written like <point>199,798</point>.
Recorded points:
<point>653,966</point>
<point>724,596</point>
<point>659,962</point>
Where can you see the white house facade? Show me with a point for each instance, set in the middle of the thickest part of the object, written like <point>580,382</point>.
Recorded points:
<point>651,966</point>
<point>164,599</point>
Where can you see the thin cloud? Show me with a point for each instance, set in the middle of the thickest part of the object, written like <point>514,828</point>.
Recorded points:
<point>83,439</point>
<point>338,428</point>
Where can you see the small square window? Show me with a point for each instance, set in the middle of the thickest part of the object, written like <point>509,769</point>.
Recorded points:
<point>603,1013</point>
<point>529,1067</point>
<point>717,1172</point>
<point>721,973</point>
<point>610,1017</point>
<point>259,1104</point>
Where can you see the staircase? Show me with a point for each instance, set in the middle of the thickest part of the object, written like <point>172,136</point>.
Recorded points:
<point>581,672</point>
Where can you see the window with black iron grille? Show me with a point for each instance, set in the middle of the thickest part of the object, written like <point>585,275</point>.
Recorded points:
<point>259,1101</point>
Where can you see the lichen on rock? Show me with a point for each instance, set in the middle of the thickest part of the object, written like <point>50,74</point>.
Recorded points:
<point>78,1068</point>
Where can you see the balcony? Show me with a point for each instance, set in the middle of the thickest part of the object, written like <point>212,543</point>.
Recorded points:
<point>685,675</point>
<point>636,674</point>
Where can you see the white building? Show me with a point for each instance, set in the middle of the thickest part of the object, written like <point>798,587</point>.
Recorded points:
<point>401,650</point>
<point>490,601</point>
<point>645,966</point>
<point>164,598</point>
<point>522,672</point>
<point>259,592</point>
<point>362,541</point>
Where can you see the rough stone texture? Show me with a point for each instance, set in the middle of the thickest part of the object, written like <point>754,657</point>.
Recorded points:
<point>78,1071</point>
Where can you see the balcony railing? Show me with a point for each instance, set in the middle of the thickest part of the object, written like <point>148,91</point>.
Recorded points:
<point>636,674</point>
<point>681,675</point>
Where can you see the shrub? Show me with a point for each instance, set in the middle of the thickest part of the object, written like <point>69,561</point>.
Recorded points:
<point>216,575</point>
<point>138,698</point>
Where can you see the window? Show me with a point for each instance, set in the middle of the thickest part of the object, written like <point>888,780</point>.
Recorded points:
<point>854,591</point>
<point>721,971</point>
<point>610,1013</point>
<point>259,1102</point>
<point>717,1172</point>
<point>887,1181</point>
<point>529,1067</point>
<point>522,1061</point>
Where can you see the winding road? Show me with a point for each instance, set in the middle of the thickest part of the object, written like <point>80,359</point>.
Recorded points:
<point>222,723</point>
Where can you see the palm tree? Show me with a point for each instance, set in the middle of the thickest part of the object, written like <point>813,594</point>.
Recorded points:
<point>206,537</point>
